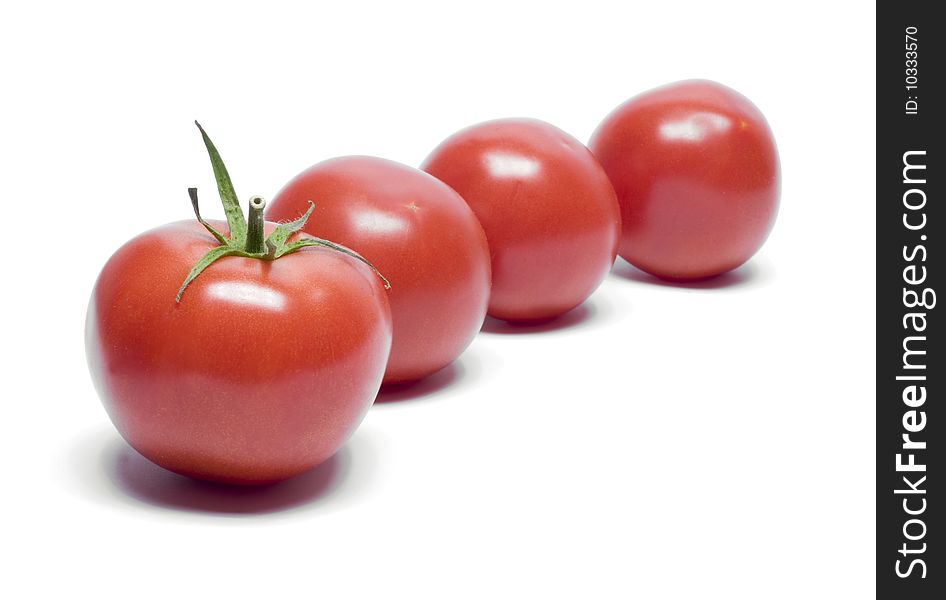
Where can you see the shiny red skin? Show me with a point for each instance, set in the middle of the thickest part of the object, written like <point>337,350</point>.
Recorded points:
<point>420,234</point>
<point>261,372</point>
<point>696,172</point>
<point>548,209</point>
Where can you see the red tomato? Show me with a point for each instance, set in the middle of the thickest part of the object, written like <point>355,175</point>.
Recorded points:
<point>420,234</point>
<point>261,372</point>
<point>547,207</point>
<point>696,173</point>
<point>268,364</point>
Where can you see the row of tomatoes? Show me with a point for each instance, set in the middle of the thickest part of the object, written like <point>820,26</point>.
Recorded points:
<point>248,351</point>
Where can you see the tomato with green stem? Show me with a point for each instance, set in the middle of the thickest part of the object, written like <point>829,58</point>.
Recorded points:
<point>242,352</point>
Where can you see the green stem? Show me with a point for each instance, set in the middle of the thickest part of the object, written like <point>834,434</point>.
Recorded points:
<point>254,231</point>
<point>246,235</point>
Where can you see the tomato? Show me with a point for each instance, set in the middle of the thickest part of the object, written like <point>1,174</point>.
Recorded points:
<point>547,207</point>
<point>696,172</point>
<point>261,370</point>
<point>420,234</point>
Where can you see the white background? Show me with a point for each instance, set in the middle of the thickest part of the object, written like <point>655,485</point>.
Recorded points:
<point>663,442</point>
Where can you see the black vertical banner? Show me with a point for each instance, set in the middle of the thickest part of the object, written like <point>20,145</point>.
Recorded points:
<point>911,370</point>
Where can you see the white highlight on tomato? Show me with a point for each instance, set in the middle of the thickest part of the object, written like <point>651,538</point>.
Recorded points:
<point>695,127</point>
<point>501,164</point>
<point>378,221</point>
<point>246,293</point>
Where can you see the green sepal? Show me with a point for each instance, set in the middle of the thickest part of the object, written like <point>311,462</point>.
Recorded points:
<point>313,241</point>
<point>220,237</point>
<point>231,204</point>
<point>206,260</point>
<point>276,241</point>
